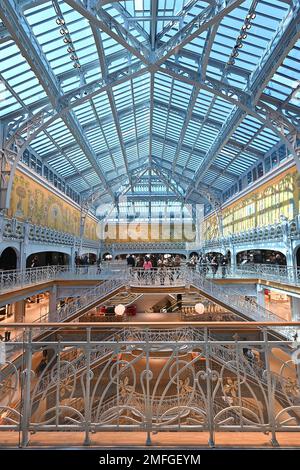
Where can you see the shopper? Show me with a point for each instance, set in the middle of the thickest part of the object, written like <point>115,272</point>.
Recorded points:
<point>7,334</point>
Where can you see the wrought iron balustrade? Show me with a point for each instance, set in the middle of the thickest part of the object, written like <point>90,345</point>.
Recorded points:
<point>202,384</point>
<point>14,229</point>
<point>273,232</point>
<point>233,299</point>
<point>286,274</point>
<point>11,279</point>
<point>157,276</point>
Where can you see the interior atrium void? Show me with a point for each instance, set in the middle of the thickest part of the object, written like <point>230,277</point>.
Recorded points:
<point>149,224</point>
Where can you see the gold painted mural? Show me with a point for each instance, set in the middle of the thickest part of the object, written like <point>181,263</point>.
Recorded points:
<point>262,206</point>
<point>35,203</point>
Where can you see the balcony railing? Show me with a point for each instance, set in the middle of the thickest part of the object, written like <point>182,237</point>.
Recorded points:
<point>14,229</point>
<point>269,272</point>
<point>201,383</point>
<point>121,275</point>
<point>273,232</point>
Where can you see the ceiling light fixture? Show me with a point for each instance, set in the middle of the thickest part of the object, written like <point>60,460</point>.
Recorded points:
<point>63,31</point>
<point>60,21</point>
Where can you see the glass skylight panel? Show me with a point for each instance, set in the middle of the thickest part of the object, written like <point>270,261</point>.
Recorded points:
<point>132,99</point>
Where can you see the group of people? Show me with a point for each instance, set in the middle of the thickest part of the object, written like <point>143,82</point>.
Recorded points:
<point>213,262</point>
<point>85,261</point>
<point>158,263</point>
<point>204,263</point>
<point>153,261</point>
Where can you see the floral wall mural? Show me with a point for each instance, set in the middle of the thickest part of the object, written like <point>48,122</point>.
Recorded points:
<point>262,206</point>
<point>35,203</point>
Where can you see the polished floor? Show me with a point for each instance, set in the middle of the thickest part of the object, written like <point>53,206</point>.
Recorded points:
<point>163,439</point>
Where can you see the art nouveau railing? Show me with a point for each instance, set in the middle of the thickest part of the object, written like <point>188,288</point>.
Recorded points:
<point>22,278</point>
<point>184,276</point>
<point>69,365</point>
<point>157,277</point>
<point>189,391</point>
<point>285,274</point>
<point>13,279</point>
<point>14,229</point>
<point>91,296</point>
<point>232,299</point>
<point>289,229</point>
<point>76,306</point>
<point>219,351</point>
<point>180,276</point>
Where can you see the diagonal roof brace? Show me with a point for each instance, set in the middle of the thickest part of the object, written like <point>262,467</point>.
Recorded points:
<point>284,39</point>
<point>22,34</point>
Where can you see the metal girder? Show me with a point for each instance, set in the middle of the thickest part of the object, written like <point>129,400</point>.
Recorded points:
<point>28,126</point>
<point>23,131</point>
<point>212,199</point>
<point>151,117</point>
<point>30,48</point>
<point>104,71</point>
<point>166,165</point>
<point>167,180</point>
<point>132,21</point>
<point>188,116</point>
<point>153,24</point>
<point>285,38</point>
<point>107,23</point>
<point>4,34</point>
<point>208,17</point>
<point>187,7</point>
<point>132,182</point>
<point>192,57</point>
<point>196,152</point>
<point>152,103</point>
<point>12,91</point>
<point>243,149</point>
<point>211,34</point>
<point>111,150</point>
<point>286,129</point>
<point>116,181</point>
<point>85,68</point>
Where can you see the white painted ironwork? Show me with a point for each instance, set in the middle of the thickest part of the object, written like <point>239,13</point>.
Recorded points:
<point>112,384</point>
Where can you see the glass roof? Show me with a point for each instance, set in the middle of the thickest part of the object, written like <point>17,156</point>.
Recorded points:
<point>170,116</point>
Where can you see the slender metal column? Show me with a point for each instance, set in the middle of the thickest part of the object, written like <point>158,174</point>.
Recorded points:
<point>25,418</point>
<point>271,388</point>
<point>148,400</point>
<point>210,418</point>
<point>89,375</point>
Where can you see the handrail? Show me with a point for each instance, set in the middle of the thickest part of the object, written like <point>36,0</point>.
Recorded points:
<point>73,308</point>
<point>234,299</point>
<point>165,276</point>
<point>221,352</point>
